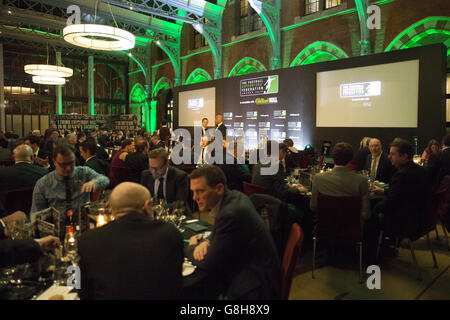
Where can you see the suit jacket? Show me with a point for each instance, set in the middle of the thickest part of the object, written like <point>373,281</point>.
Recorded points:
<point>137,162</point>
<point>98,165</point>
<point>223,130</point>
<point>275,185</point>
<point>242,255</point>
<point>132,257</point>
<point>177,184</point>
<point>406,201</point>
<point>439,166</point>
<point>20,175</point>
<point>341,182</point>
<point>160,144</point>
<point>234,172</point>
<point>14,252</point>
<point>5,154</point>
<point>385,169</point>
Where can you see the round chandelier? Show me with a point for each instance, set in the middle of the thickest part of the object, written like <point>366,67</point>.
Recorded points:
<point>48,80</point>
<point>48,70</point>
<point>99,37</point>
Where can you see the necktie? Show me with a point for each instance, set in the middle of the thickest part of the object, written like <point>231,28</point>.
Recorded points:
<point>373,169</point>
<point>160,193</point>
<point>68,193</point>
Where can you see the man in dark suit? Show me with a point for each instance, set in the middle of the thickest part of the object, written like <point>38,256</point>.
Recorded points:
<point>88,150</point>
<point>240,257</point>
<point>23,173</point>
<point>220,127</point>
<point>275,184</point>
<point>165,133</point>
<point>439,163</point>
<point>402,211</point>
<point>378,164</point>
<point>39,157</point>
<point>132,257</point>
<point>164,181</point>
<point>138,161</point>
<point>156,142</point>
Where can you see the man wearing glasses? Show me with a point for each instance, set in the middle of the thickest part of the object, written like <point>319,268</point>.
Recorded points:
<point>67,187</point>
<point>164,181</point>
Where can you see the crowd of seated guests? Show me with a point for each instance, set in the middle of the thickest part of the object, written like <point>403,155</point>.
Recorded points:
<point>147,157</point>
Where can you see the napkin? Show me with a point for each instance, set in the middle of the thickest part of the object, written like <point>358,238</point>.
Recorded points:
<point>58,290</point>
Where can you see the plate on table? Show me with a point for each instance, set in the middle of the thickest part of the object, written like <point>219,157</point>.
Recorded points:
<point>188,268</point>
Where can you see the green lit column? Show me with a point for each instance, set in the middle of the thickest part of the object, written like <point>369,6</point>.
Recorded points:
<point>2,92</point>
<point>91,85</point>
<point>361,6</point>
<point>58,90</point>
<point>148,86</point>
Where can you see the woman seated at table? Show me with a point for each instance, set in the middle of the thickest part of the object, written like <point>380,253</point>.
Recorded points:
<point>432,147</point>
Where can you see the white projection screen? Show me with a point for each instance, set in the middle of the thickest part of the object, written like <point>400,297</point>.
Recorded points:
<point>195,105</point>
<point>383,96</point>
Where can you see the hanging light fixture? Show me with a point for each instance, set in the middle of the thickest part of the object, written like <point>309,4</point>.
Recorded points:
<point>48,70</point>
<point>49,80</point>
<point>99,37</point>
<point>47,73</point>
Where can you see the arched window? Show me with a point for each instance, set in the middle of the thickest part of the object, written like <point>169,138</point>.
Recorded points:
<point>198,75</point>
<point>246,66</point>
<point>318,52</point>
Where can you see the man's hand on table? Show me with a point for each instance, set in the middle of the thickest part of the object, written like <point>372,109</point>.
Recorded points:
<point>301,188</point>
<point>201,250</point>
<point>48,243</point>
<point>88,187</point>
<point>376,190</point>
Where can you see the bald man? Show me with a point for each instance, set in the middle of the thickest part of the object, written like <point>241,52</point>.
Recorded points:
<point>378,164</point>
<point>133,257</point>
<point>23,173</point>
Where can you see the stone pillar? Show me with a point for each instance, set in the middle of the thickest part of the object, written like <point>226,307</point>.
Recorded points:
<point>91,109</point>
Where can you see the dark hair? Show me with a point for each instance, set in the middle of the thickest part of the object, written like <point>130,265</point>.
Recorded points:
<point>140,144</point>
<point>342,153</point>
<point>126,142</point>
<point>212,174</point>
<point>159,153</point>
<point>403,147</point>
<point>163,122</point>
<point>288,142</point>
<point>433,142</point>
<point>281,146</point>
<point>89,145</point>
<point>204,119</point>
<point>80,135</point>
<point>33,139</point>
<point>446,140</point>
<point>62,149</point>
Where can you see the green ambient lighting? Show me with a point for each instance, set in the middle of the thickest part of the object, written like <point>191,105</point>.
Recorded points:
<point>319,46</point>
<point>198,75</point>
<point>414,41</point>
<point>138,98</point>
<point>163,83</point>
<point>245,66</point>
<point>153,105</point>
<point>319,56</point>
<point>411,29</point>
<point>138,63</point>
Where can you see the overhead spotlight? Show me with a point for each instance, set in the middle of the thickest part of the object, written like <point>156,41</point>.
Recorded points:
<point>131,8</point>
<point>9,11</point>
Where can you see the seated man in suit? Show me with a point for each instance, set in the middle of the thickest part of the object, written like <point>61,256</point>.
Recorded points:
<point>88,150</point>
<point>439,163</point>
<point>156,142</point>
<point>240,257</point>
<point>341,182</point>
<point>5,153</point>
<point>132,257</point>
<point>378,164</point>
<point>138,161</point>
<point>40,157</point>
<point>276,184</point>
<point>164,181</point>
<point>23,173</point>
<point>401,213</point>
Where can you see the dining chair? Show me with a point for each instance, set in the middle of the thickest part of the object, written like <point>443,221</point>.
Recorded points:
<point>290,256</point>
<point>338,221</point>
<point>436,203</point>
<point>18,199</point>
<point>250,188</point>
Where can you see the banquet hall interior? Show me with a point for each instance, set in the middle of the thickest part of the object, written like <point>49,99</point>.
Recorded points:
<point>114,112</point>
